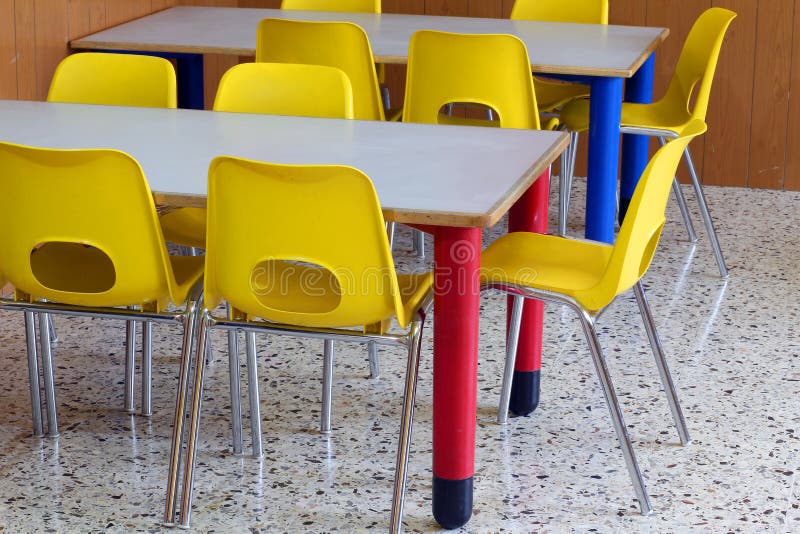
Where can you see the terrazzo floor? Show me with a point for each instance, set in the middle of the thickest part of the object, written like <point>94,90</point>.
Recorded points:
<point>733,347</point>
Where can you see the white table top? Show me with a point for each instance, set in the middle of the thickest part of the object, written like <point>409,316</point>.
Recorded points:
<point>582,49</point>
<point>438,175</point>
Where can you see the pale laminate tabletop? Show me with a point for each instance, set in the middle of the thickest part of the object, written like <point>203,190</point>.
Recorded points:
<point>436,175</point>
<point>560,48</point>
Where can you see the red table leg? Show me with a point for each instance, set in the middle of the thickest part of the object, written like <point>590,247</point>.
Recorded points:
<point>455,371</point>
<point>529,214</point>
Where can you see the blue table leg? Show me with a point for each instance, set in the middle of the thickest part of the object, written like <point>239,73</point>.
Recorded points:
<point>190,81</point>
<point>601,193</point>
<point>638,89</point>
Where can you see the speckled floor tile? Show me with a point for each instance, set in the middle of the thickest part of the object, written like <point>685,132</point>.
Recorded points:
<point>733,348</point>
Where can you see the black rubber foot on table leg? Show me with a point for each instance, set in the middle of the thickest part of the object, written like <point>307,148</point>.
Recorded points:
<point>623,208</point>
<point>452,502</point>
<point>524,392</point>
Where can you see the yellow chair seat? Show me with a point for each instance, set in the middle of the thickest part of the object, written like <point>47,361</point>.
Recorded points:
<point>308,289</point>
<point>658,115</point>
<point>552,263</point>
<point>552,94</point>
<point>186,226</point>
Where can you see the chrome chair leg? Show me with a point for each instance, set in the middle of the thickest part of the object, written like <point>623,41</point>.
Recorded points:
<point>51,327</point>
<point>130,365</point>
<point>190,324</point>
<point>327,387</point>
<point>701,200</point>
<point>418,242</point>
<point>33,374</point>
<point>194,425</point>
<point>511,357</point>
<point>661,363</point>
<point>567,172</point>
<point>390,232</point>
<point>253,393</point>
<point>147,368</point>
<point>604,378</point>
<point>236,391</point>
<point>374,362</point>
<point>386,98</point>
<point>406,425</point>
<point>47,371</point>
<point>676,189</point>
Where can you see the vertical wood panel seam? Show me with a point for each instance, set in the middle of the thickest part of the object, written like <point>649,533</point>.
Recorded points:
<point>16,49</point>
<point>789,100</point>
<point>752,101</point>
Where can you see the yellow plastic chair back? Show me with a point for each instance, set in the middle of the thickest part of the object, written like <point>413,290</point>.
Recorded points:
<point>114,80</point>
<point>579,11</point>
<point>638,237</point>
<point>85,229</point>
<point>552,94</point>
<point>298,244</point>
<point>353,6</point>
<point>286,89</point>
<point>489,70</point>
<point>697,64</point>
<point>334,44</point>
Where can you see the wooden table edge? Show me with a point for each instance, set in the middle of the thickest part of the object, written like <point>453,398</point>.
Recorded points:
<point>424,217</point>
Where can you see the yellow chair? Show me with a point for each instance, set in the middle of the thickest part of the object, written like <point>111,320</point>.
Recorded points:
<point>100,253</point>
<point>686,99</point>
<point>115,80</point>
<point>300,250</point>
<point>587,276</point>
<point>353,6</point>
<point>276,88</point>
<point>349,6</point>
<point>492,71</point>
<point>552,94</point>
<point>487,70</point>
<point>335,44</point>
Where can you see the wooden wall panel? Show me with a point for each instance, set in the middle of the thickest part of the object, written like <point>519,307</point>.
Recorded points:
<point>51,30</point>
<point>8,51</point>
<point>727,148</point>
<point>118,12</point>
<point>86,17</point>
<point>452,8</point>
<point>25,39</point>
<point>485,8</point>
<point>631,12</point>
<point>159,5</point>
<point>678,16</point>
<point>792,176</point>
<point>771,93</point>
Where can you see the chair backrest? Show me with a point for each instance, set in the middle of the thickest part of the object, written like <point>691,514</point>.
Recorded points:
<point>354,6</point>
<point>298,244</point>
<point>580,11</point>
<point>334,44</point>
<point>74,208</point>
<point>638,237</point>
<point>286,89</point>
<point>698,62</point>
<point>490,70</point>
<point>115,80</point>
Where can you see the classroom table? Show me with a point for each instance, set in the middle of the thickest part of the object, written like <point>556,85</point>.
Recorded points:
<point>452,180</point>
